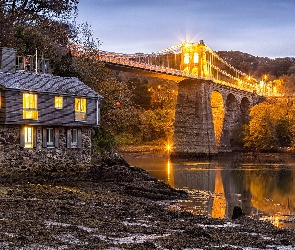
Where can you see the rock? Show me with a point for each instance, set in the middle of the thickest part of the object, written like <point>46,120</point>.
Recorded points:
<point>112,157</point>
<point>237,213</point>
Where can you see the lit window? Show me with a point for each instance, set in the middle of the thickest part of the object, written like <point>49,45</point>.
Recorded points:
<point>186,58</point>
<point>74,137</point>
<point>50,137</point>
<point>58,102</point>
<point>30,106</point>
<point>196,57</point>
<point>80,109</point>
<point>28,140</point>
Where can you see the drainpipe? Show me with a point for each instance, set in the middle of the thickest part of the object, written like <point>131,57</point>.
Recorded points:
<point>97,113</point>
<point>97,109</point>
<point>36,68</point>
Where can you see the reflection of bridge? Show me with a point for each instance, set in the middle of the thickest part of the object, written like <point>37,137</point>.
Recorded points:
<point>200,73</point>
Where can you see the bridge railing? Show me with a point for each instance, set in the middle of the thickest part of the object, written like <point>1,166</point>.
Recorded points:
<point>218,70</point>
<point>134,61</point>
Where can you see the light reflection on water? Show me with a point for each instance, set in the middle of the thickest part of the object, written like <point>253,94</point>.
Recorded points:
<point>264,191</point>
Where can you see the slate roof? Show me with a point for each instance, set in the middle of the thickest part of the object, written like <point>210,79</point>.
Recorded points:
<point>46,83</point>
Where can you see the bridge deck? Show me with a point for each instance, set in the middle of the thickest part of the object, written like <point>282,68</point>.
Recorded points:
<point>146,72</point>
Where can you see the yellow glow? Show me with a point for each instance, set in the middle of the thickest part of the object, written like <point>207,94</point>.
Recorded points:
<point>80,104</point>
<point>279,203</point>
<point>187,44</point>
<point>196,57</point>
<point>170,173</point>
<point>186,58</point>
<point>58,102</point>
<point>30,106</point>
<point>28,137</point>
<point>219,201</point>
<point>80,109</point>
<point>168,147</point>
<point>218,113</point>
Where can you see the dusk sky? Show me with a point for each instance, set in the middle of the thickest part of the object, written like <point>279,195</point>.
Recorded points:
<point>258,27</point>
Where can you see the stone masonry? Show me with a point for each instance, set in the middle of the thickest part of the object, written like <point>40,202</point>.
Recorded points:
<point>14,158</point>
<point>194,129</point>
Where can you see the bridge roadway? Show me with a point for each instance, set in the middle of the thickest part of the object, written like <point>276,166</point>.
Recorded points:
<point>146,72</point>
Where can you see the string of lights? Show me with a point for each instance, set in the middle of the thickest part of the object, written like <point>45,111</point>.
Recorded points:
<point>187,59</point>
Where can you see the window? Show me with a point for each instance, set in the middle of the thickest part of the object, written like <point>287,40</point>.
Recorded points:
<point>80,109</point>
<point>196,57</point>
<point>186,58</point>
<point>30,106</point>
<point>28,137</point>
<point>50,137</point>
<point>58,102</point>
<point>74,138</point>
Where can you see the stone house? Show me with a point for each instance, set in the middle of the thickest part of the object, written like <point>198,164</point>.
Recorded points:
<point>46,121</point>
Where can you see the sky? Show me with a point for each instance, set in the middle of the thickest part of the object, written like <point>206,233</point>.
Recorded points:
<point>263,28</point>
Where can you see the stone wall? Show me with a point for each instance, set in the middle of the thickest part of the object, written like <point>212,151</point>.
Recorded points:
<point>15,159</point>
<point>194,133</point>
<point>193,127</point>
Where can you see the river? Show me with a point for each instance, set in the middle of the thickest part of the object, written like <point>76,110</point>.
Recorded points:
<point>263,190</point>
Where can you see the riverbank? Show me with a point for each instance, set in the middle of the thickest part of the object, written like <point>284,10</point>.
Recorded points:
<point>119,207</point>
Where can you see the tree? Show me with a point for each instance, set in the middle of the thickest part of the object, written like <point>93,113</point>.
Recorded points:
<point>271,125</point>
<point>141,96</point>
<point>45,25</point>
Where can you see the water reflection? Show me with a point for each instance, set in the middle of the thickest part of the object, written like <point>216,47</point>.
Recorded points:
<point>170,174</point>
<point>219,200</point>
<point>265,191</point>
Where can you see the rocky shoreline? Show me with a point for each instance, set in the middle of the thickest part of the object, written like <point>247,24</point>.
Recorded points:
<point>119,207</point>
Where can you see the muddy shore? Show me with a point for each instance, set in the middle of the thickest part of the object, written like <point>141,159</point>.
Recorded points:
<point>119,207</point>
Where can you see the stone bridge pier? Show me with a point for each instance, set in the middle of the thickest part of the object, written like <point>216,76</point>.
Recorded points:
<point>207,116</point>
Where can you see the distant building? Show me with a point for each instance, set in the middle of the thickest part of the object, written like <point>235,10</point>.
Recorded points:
<point>45,120</point>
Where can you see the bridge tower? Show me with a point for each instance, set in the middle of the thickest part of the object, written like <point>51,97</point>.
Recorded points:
<point>193,127</point>
<point>193,59</point>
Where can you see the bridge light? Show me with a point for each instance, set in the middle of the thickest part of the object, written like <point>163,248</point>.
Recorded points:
<point>187,44</point>
<point>168,147</point>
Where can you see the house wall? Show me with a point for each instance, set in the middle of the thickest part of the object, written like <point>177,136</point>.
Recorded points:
<point>47,113</point>
<point>7,60</point>
<point>14,158</point>
<point>2,106</point>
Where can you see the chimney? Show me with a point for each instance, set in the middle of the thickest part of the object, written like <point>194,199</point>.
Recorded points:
<point>7,60</point>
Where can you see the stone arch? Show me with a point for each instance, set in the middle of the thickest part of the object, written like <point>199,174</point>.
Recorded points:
<point>218,112</point>
<point>231,121</point>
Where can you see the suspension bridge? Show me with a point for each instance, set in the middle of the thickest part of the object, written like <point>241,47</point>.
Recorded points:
<point>199,127</point>
<point>186,60</point>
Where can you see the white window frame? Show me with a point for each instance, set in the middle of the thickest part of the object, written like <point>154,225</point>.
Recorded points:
<point>28,137</point>
<point>74,138</point>
<point>50,135</point>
